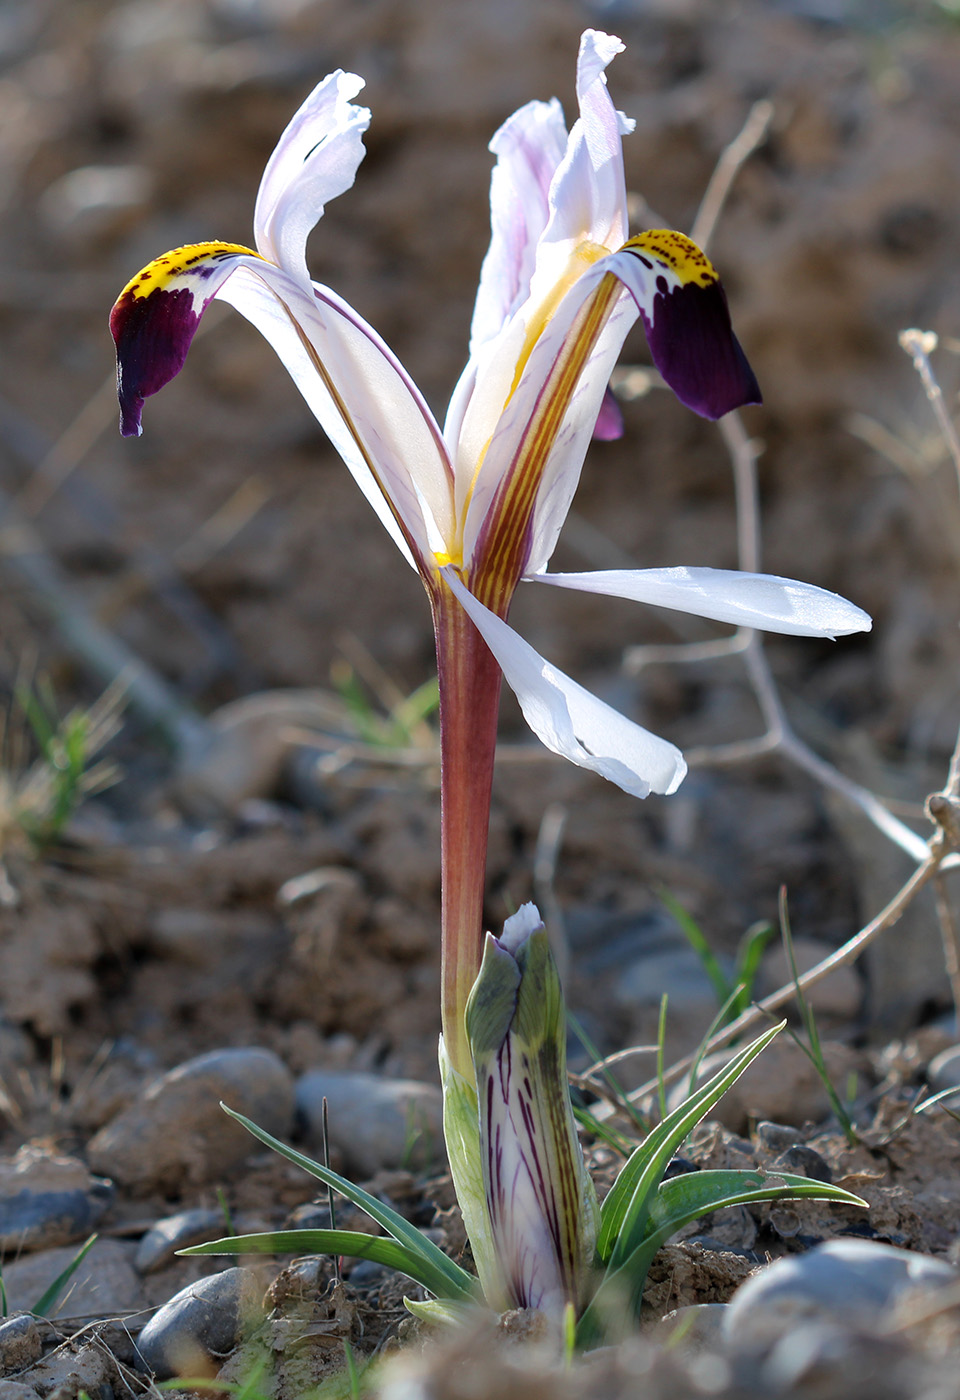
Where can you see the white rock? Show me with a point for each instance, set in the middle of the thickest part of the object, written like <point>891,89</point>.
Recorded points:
<point>850,1282</point>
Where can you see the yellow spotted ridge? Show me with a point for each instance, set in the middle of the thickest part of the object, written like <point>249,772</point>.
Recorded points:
<point>180,262</point>
<point>678,252</point>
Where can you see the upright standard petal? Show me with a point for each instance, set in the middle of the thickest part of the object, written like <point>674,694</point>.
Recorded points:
<point>567,718</point>
<point>315,160</point>
<point>727,595</point>
<point>529,147</point>
<point>542,432</point>
<point>357,389</point>
<point>588,199</point>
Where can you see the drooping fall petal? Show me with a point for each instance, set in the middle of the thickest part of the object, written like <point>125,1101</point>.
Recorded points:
<point>727,595</point>
<point>361,395</point>
<point>567,718</point>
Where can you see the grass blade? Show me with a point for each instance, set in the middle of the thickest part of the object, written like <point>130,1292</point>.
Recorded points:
<point>50,1295</point>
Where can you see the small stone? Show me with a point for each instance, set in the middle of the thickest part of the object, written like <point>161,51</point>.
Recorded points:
<point>44,1219</point>
<point>16,1390</point>
<point>776,1137</point>
<point>159,1245</point>
<point>374,1123</point>
<point>678,972</point>
<point>104,1282</point>
<point>20,1343</point>
<point>47,1200</point>
<point>943,1072</point>
<point>805,1160</point>
<point>178,1134</point>
<point>192,1333</point>
<point>851,1282</point>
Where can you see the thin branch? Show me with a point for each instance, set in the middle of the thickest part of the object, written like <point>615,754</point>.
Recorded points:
<point>920,345</point>
<point>728,167</point>
<point>949,938</point>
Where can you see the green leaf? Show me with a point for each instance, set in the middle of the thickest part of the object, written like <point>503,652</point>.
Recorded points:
<point>679,1202</point>
<point>685,1198</point>
<point>623,1213</point>
<point>353,1243</point>
<point>51,1295</point>
<point>457,1283</point>
<point>443,1311</point>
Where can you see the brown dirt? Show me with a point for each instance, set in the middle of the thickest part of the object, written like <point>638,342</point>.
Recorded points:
<point>161,928</point>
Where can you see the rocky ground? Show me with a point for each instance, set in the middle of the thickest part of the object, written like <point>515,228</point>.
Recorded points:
<point>261,927</point>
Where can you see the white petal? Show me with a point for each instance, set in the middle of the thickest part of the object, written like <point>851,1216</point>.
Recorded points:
<point>391,436</point>
<point>568,719</point>
<point>315,160</point>
<point>727,595</point>
<point>529,147</point>
<point>496,423</point>
<point>588,199</point>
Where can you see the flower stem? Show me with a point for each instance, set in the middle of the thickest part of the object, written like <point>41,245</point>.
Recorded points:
<point>469,705</point>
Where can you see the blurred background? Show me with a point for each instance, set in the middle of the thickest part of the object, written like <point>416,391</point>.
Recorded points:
<point>230,552</point>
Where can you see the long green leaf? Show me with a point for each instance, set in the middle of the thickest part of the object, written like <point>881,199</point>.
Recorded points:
<point>51,1294</point>
<point>623,1211</point>
<point>353,1243</point>
<point>679,1202</point>
<point>460,1284</point>
<point>686,1198</point>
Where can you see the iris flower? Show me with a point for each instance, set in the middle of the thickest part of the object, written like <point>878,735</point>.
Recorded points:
<point>476,506</point>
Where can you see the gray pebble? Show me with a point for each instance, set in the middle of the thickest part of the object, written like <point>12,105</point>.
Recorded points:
<point>805,1160</point>
<point>178,1134</point>
<point>845,1281</point>
<point>20,1343</point>
<point>16,1390</point>
<point>32,1220</point>
<point>367,1275</point>
<point>375,1123</point>
<point>776,1137</point>
<point>159,1245</point>
<point>192,1333</point>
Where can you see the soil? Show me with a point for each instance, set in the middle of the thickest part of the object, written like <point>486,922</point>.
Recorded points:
<point>270,900</point>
